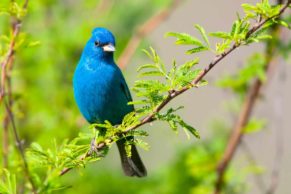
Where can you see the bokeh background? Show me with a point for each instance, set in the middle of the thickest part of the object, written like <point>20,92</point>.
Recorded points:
<point>46,110</point>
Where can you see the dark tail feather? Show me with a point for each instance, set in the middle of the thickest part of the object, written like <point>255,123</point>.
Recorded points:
<point>132,166</point>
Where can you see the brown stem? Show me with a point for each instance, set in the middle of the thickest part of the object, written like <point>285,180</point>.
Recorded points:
<point>19,145</point>
<point>237,132</point>
<point>6,68</point>
<point>5,140</point>
<point>150,25</point>
<point>174,94</point>
<point>25,4</point>
<point>5,78</point>
<point>8,59</point>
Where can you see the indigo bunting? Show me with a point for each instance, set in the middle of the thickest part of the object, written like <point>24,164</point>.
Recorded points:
<point>102,94</point>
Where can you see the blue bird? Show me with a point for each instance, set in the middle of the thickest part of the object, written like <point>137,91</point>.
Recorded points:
<point>102,94</point>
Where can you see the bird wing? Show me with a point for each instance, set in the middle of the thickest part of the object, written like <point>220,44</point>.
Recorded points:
<point>125,90</point>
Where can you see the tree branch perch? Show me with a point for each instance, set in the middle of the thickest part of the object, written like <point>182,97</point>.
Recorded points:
<point>174,94</point>
<point>247,108</point>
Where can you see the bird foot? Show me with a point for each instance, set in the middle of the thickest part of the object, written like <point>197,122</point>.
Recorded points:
<point>94,148</point>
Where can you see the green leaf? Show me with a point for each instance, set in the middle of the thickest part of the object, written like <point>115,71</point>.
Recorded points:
<point>196,50</point>
<point>244,28</point>
<point>221,47</point>
<point>8,186</point>
<point>223,35</point>
<point>146,66</point>
<point>136,102</point>
<point>263,37</point>
<point>142,144</point>
<point>151,73</point>
<point>33,43</point>
<point>283,23</point>
<point>191,129</point>
<point>175,120</point>
<point>137,133</point>
<point>248,7</point>
<point>17,10</point>
<point>235,28</point>
<point>128,146</point>
<point>202,83</point>
<point>185,39</point>
<point>254,125</point>
<point>203,33</point>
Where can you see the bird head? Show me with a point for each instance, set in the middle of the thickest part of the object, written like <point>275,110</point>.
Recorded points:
<point>101,44</point>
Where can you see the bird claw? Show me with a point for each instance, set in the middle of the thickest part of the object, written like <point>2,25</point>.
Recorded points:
<point>94,148</point>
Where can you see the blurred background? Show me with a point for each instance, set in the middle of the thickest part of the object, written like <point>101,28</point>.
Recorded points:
<point>46,111</point>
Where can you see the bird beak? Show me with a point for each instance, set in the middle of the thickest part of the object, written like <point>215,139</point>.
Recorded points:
<point>109,48</point>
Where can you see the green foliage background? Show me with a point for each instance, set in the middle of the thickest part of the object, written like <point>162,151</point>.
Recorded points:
<point>43,73</point>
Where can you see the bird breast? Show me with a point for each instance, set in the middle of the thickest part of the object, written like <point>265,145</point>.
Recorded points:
<point>98,94</point>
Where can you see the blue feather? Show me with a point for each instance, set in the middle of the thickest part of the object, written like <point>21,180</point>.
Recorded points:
<point>101,92</point>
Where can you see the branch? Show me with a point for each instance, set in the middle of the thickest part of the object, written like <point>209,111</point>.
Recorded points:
<point>237,132</point>
<point>5,140</point>
<point>19,145</point>
<point>173,94</point>
<point>247,108</point>
<point>16,24</point>
<point>6,67</point>
<point>150,25</point>
<point>9,58</point>
<point>6,119</point>
<point>25,4</point>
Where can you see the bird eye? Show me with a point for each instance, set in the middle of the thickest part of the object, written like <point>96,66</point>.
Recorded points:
<point>97,43</point>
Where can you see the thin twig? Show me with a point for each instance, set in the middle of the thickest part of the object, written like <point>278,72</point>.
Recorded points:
<point>6,120</point>
<point>150,25</point>
<point>19,145</point>
<point>25,4</point>
<point>247,108</point>
<point>16,24</point>
<point>5,140</point>
<point>4,77</point>
<point>8,59</point>
<point>6,68</point>
<point>195,82</point>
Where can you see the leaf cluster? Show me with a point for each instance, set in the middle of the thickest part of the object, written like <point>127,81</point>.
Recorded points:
<point>14,9</point>
<point>175,121</point>
<point>240,30</point>
<point>186,39</point>
<point>154,91</point>
<point>262,9</point>
<point>8,182</point>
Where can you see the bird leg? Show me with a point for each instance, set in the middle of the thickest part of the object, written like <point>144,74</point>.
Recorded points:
<point>94,148</point>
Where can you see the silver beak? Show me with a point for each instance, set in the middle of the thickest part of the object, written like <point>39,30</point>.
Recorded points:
<point>108,48</point>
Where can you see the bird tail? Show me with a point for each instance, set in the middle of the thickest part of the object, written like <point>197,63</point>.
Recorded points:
<point>132,166</point>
